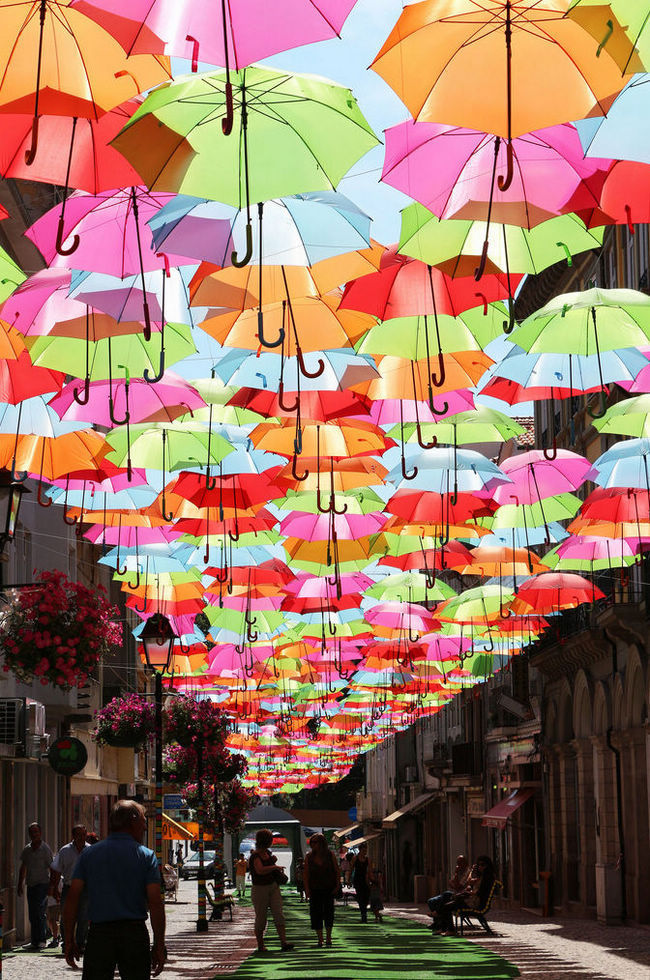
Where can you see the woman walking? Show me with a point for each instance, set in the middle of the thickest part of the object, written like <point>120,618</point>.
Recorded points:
<point>360,879</point>
<point>265,890</point>
<point>321,877</point>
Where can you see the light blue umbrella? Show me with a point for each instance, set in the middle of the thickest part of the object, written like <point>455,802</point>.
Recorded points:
<point>568,370</point>
<point>149,559</point>
<point>33,416</point>
<point>342,369</point>
<point>132,499</point>
<point>298,230</point>
<point>619,135</point>
<point>442,468</point>
<point>624,465</point>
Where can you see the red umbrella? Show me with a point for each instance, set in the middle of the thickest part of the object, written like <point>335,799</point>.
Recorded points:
<point>417,507</point>
<point>553,591</point>
<point>319,406</point>
<point>241,490</point>
<point>513,393</point>
<point>19,379</point>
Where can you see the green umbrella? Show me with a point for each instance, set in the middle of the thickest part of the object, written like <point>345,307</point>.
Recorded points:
<point>411,586</point>
<point>455,245</point>
<point>293,133</point>
<point>563,563</point>
<point>480,424</point>
<point>627,418</point>
<point>11,275</point>
<point>106,358</point>
<point>407,336</point>
<point>595,16</point>
<point>265,621</point>
<point>166,446</point>
<point>475,606</point>
<point>360,501</point>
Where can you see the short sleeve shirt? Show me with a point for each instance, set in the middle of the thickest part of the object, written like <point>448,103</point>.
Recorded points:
<point>37,861</point>
<point>66,860</point>
<point>116,872</point>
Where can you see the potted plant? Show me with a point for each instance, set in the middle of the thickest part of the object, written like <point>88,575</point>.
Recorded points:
<point>57,631</point>
<point>190,722</point>
<point>126,721</point>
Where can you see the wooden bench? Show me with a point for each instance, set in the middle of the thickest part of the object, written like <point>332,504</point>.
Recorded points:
<point>465,915</point>
<point>221,903</point>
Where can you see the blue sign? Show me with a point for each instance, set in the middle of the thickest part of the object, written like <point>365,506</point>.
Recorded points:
<point>172,801</point>
<point>352,813</point>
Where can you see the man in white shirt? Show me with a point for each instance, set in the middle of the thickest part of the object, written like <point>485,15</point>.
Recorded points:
<point>63,867</point>
<point>35,861</point>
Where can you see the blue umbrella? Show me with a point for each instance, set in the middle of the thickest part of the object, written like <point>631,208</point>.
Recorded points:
<point>618,135</point>
<point>298,230</point>
<point>343,369</point>
<point>624,465</point>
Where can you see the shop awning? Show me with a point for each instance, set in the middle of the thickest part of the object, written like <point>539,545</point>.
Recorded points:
<point>344,831</point>
<point>362,840</point>
<point>172,830</point>
<point>498,816</point>
<point>409,808</point>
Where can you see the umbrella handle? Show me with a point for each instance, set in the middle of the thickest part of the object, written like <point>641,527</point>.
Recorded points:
<point>567,252</point>
<point>146,333</point>
<point>333,508</point>
<point>551,454</point>
<point>240,263</point>
<point>227,121</point>
<point>603,408</point>
<point>260,327</point>
<point>136,584</point>
<point>510,324</point>
<point>480,269</point>
<point>182,647</point>
<point>506,615</point>
<point>439,411</point>
<point>505,182</point>
<point>161,370</point>
<point>142,609</point>
<point>82,399</point>
<point>210,481</point>
<point>60,236</point>
<point>453,497</point>
<point>39,498</point>
<point>206,556</point>
<point>608,34</point>
<point>628,214</point>
<point>303,367</point>
<point>421,443</point>
<point>408,476</point>
<point>281,402</point>
<point>483,299</point>
<point>30,154</point>
<point>195,52</point>
<point>234,535</point>
<point>299,477</point>
<point>438,381</point>
<point>222,577</point>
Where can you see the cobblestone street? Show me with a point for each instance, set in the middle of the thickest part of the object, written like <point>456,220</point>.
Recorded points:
<point>541,949</point>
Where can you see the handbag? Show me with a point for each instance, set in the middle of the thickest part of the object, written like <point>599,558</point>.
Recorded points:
<point>280,877</point>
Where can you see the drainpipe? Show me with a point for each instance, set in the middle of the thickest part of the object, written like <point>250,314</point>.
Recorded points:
<point>619,781</point>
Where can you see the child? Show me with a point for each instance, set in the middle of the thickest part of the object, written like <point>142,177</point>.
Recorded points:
<point>376,889</point>
<point>241,867</point>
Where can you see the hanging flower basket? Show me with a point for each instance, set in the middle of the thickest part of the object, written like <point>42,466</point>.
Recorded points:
<point>179,764</point>
<point>191,722</point>
<point>58,631</point>
<point>126,721</point>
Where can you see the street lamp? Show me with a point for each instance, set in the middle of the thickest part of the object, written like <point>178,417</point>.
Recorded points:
<point>158,641</point>
<point>11,494</point>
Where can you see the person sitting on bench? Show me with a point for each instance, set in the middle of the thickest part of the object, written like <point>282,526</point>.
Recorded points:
<point>474,897</point>
<point>457,884</point>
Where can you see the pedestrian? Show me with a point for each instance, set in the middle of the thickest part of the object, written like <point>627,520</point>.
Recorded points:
<point>35,862</point>
<point>457,885</point>
<point>122,879</point>
<point>300,878</point>
<point>241,866</point>
<point>62,867</point>
<point>179,857</point>
<point>322,879</point>
<point>345,867</point>
<point>376,895</point>
<point>53,914</point>
<point>360,882</point>
<point>265,890</point>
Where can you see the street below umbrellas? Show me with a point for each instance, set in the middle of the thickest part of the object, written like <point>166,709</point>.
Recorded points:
<point>400,946</point>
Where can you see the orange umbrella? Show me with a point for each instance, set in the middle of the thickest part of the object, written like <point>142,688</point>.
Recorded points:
<point>348,474</point>
<point>495,561</point>
<point>398,375</point>
<point>331,439</point>
<point>52,457</point>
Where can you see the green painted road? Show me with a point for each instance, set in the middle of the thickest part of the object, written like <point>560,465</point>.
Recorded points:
<point>395,948</point>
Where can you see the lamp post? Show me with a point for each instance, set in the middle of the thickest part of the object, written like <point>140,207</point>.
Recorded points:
<point>158,641</point>
<point>11,494</point>
<point>202,921</point>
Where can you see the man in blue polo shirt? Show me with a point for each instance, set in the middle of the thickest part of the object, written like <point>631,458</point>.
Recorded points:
<point>122,881</point>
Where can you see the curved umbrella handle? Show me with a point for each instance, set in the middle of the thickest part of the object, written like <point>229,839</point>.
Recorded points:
<point>510,324</point>
<point>504,183</point>
<point>43,502</point>
<point>111,402</point>
<point>136,584</point>
<point>227,121</point>
<point>234,535</point>
<point>281,402</point>
<point>506,615</point>
<point>628,215</point>
<point>408,476</point>
<point>299,477</point>
<point>206,558</point>
<point>70,521</point>
<point>421,443</point>
<point>142,609</point>
<point>608,34</point>
<point>453,497</point>
<point>551,454</point>
<point>439,411</point>
<point>82,399</point>
<point>603,408</point>
<point>210,481</point>
<point>480,269</point>
<point>30,154</point>
<point>234,258</point>
<point>333,509</point>
<point>483,299</point>
<point>60,237</point>
<point>152,380</point>
<point>438,381</point>
<point>567,252</point>
<point>303,367</point>
<point>222,576</point>
<point>260,330</point>
<point>195,52</point>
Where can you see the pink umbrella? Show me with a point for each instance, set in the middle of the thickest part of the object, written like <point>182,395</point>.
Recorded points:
<point>224,656</point>
<point>165,401</point>
<point>241,602</point>
<point>317,527</point>
<point>443,648</point>
<point>110,230</point>
<point>534,477</point>
<point>130,537</point>
<point>451,171</point>
<point>586,548</point>
<point>314,587</point>
<point>386,411</point>
<point>254,29</point>
<point>401,615</point>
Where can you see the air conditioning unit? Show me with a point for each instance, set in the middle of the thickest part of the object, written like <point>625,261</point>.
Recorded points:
<point>37,745</point>
<point>12,724</point>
